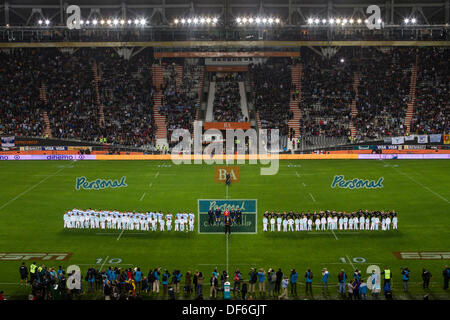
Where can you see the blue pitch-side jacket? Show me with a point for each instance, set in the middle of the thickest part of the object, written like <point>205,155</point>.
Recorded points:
<point>138,276</point>
<point>179,275</point>
<point>363,289</point>
<point>405,275</point>
<point>156,275</point>
<point>294,278</point>
<point>261,277</point>
<point>167,279</point>
<point>307,278</point>
<point>325,277</point>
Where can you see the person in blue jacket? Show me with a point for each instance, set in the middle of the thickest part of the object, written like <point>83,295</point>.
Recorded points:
<point>308,279</point>
<point>405,277</point>
<point>165,281</point>
<point>293,279</point>
<point>325,275</point>
<point>363,290</point>
<point>138,279</point>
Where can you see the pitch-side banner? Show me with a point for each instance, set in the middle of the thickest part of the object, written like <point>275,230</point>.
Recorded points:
<point>398,140</point>
<point>8,142</point>
<point>48,157</point>
<point>446,138</point>
<point>410,137</point>
<point>435,138</point>
<point>422,138</point>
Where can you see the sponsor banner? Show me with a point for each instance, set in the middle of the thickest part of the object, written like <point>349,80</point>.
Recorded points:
<point>435,138</point>
<point>27,142</point>
<point>49,157</point>
<point>209,54</point>
<point>387,147</point>
<point>364,147</point>
<point>8,142</point>
<point>422,138</point>
<point>446,138</point>
<point>227,125</point>
<point>415,147</point>
<point>248,208</point>
<point>34,256</point>
<point>422,255</point>
<point>410,138</point>
<point>60,148</point>
<point>398,140</point>
<point>220,173</point>
<point>226,68</point>
<point>403,156</point>
<point>387,140</point>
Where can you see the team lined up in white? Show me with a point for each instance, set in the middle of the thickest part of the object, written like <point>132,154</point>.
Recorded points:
<point>149,221</point>
<point>286,223</point>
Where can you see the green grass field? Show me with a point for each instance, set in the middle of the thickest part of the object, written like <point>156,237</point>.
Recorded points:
<point>35,194</point>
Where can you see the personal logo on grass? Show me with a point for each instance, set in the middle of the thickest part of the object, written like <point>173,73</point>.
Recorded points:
<point>356,183</point>
<point>99,184</point>
<point>220,173</point>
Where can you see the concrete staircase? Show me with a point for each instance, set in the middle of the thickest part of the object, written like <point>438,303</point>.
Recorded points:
<point>258,121</point>
<point>43,97</point>
<point>160,119</point>
<point>179,79</point>
<point>296,76</point>
<point>101,114</point>
<point>199,99</point>
<point>354,109</point>
<point>412,94</point>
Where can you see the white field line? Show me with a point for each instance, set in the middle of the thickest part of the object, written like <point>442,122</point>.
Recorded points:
<point>31,188</point>
<point>350,261</point>
<point>303,184</point>
<point>296,173</point>
<point>312,197</point>
<point>422,185</point>
<point>142,197</point>
<point>156,175</point>
<point>104,261</point>
<point>334,234</point>
<point>150,185</point>
<point>227,253</point>
<point>226,194</point>
<point>118,238</point>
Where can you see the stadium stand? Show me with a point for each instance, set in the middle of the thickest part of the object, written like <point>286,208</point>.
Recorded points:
<point>227,104</point>
<point>432,108</point>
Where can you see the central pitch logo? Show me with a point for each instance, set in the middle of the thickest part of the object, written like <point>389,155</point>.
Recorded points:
<point>220,173</point>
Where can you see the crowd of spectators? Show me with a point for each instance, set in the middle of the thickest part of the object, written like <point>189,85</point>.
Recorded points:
<point>383,91</point>
<point>126,92</point>
<point>227,99</point>
<point>432,108</point>
<point>180,107</point>
<point>124,86</point>
<point>116,283</point>
<point>271,92</point>
<point>327,93</point>
<point>21,111</point>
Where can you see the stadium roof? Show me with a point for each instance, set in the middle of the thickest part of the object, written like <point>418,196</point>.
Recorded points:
<point>23,12</point>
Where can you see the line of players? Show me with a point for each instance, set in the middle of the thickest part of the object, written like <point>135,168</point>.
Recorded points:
<point>215,216</point>
<point>92,219</point>
<point>330,220</point>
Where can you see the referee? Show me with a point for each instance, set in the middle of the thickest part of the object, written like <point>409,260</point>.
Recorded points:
<point>227,224</point>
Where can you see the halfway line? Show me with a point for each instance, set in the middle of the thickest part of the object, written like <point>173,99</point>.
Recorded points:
<point>312,197</point>
<point>142,196</point>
